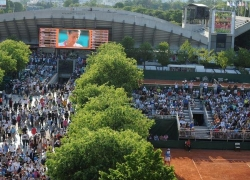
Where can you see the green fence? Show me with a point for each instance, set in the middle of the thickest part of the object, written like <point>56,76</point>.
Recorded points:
<point>165,127</point>
<point>219,145</point>
<point>174,75</point>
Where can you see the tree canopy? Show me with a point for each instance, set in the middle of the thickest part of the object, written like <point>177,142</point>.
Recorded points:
<point>110,109</point>
<point>98,151</point>
<point>111,66</point>
<point>6,62</point>
<point>163,53</point>
<point>106,132</point>
<point>143,164</point>
<point>222,59</point>
<point>18,51</point>
<point>186,52</point>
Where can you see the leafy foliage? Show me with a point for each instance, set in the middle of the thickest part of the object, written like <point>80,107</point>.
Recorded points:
<point>143,164</point>
<point>83,158</point>
<point>222,60</point>
<point>110,109</point>
<point>163,53</point>
<point>146,52</point>
<point>110,66</point>
<point>243,58</point>
<point>18,51</point>
<point>206,56</point>
<point>6,62</point>
<point>186,52</point>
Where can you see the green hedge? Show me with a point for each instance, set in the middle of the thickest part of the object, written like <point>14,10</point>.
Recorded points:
<point>174,75</point>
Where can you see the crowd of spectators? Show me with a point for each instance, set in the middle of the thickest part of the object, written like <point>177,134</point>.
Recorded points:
<point>230,110</point>
<point>165,102</point>
<point>229,105</point>
<point>34,116</point>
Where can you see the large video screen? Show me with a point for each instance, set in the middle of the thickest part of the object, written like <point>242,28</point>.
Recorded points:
<point>72,38</point>
<point>223,22</point>
<point>2,3</point>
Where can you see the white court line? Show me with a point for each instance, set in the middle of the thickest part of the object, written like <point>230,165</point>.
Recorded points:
<point>197,169</point>
<point>230,159</point>
<point>226,163</point>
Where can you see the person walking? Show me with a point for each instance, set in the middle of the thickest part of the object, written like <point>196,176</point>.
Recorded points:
<point>167,157</point>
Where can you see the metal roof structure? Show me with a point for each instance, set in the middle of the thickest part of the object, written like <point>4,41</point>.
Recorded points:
<point>142,28</point>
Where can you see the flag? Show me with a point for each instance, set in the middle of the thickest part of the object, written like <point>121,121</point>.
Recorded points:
<point>228,3</point>
<point>233,4</point>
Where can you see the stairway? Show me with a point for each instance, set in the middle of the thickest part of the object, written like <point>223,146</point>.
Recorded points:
<point>198,107</point>
<point>209,119</point>
<point>202,132</point>
<point>187,118</point>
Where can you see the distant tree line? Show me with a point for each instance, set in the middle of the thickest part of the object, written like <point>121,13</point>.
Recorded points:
<point>185,54</point>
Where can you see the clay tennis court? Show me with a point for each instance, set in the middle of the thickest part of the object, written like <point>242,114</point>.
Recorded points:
<point>210,164</point>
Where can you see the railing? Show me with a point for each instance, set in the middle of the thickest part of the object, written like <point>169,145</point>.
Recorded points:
<point>164,116</point>
<point>190,113</point>
<point>205,115</point>
<point>187,133</point>
<point>178,122</point>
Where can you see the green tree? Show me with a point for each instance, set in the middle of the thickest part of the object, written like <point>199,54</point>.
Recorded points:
<point>144,165</point>
<point>146,52</point>
<point>186,52</point>
<point>18,7</point>
<point>128,43</point>
<point>231,55</point>
<point>205,56</point>
<point>243,58</point>
<point>110,109</point>
<point>222,60</point>
<point>176,16</point>
<point>93,152</point>
<point>110,66</point>
<point>6,62</point>
<point>18,51</point>
<point>163,53</point>
<point>81,96</point>
<point>13,37</point>
<point>67,3</point>
<point>119,5</point>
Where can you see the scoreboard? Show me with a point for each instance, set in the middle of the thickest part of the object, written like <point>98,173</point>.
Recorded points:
<point>47,37</point>
<point>84,38</point>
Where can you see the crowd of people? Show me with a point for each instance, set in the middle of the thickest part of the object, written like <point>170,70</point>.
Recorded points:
<point>228,105</point>
<point>34,116</point>
<point>230,110</point>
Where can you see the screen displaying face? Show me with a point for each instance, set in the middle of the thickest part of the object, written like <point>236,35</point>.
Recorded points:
<point>73,38</point>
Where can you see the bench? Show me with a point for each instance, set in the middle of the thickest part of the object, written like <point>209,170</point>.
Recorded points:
<point>237,146</point>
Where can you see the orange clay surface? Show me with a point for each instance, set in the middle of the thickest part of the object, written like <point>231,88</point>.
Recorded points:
<point>210,164</point>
